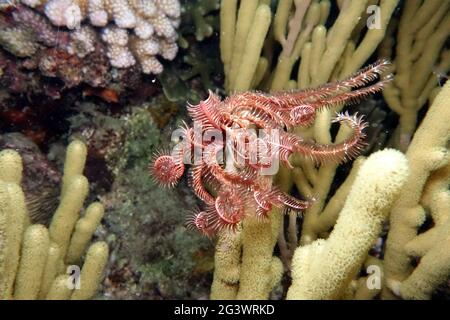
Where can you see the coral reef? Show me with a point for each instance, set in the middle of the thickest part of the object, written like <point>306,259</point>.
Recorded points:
<point>55,52</point>
<point>34,258</point>
<point>41,91</point>
<point>74,57</point>
<point>322,54</point>
<point>107,72</point>
<point>404,186</point>
<point>328,47</point>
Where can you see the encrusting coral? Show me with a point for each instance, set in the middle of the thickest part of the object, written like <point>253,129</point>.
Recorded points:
<point>72,56</point>
<point>33,258</point>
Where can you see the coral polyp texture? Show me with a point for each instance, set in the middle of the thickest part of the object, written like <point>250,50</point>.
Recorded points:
<point>236,145</point>
<point>134,32</point>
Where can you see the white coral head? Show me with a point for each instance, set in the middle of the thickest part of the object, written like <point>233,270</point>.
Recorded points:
<point>99,18</point>
<point>115,36</point>
<point>63,13</point>
<point>169,50</point>
<point>120,57</point>
<point>171,8</point>
<point>73,17</point>
<point>123,15</point>
<point>151,65</point>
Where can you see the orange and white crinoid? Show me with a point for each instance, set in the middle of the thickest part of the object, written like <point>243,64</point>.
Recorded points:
<point>256,127</point>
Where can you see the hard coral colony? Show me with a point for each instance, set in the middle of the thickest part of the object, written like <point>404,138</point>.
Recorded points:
<point>134,32</point>
<point>247,182</point>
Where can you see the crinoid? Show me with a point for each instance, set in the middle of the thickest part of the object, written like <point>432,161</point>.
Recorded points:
<point>236,144</point>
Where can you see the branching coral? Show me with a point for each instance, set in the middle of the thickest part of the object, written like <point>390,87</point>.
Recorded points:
<point>198,13</point>
<point>325,268</point>
<point>132,31</point>
<point>301,52</point>
<point>426,190</point>
<point>325,54</point>
<point>33,258</point>
<point>299,27</point>
<point>421,57</point>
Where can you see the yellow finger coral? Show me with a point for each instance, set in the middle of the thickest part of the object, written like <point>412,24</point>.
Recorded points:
<point>245,267</point>
<point>256,277</point>
<point>32,257</point>
<point>325,268</point>
<point>13,220</point>
<point>427,154</point>
<point>420,53</point>
<point>84,230</point>
<point>227,262</point>
<point>91,274</point>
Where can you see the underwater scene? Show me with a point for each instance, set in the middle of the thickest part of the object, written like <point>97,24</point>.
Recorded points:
<point>224,150</point>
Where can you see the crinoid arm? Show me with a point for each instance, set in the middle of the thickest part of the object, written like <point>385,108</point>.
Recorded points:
<point>265,111</point>
<point>228,209</point>
<point>323,153</point>
<point>352,97</point>
<point>339,152</point>
<point>200,221</point>
<point>275,197</point>
<point>207,112</point>
<point>197,184</point>
<point>359,79</point>
<point>166,169</point>
<point>339,89</point>
<point>303,115</point>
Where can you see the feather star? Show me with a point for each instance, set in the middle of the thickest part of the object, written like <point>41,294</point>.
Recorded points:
<point>239,168</point>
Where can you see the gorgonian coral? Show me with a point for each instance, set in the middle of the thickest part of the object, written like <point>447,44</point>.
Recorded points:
<point>236,145</point>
